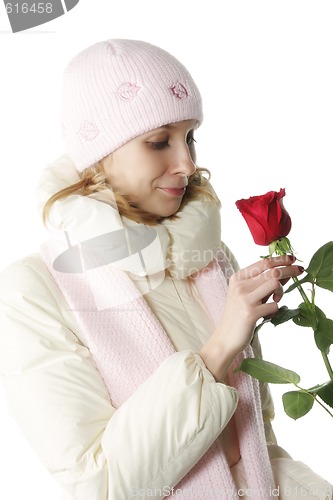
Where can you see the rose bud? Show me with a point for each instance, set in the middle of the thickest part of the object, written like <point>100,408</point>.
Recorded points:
<point>266,216</point>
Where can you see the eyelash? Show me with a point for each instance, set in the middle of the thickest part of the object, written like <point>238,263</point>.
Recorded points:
<point>159,145</point>
<point>164,144</point>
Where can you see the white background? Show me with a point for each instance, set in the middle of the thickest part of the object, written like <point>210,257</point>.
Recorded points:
<point>265,72</point>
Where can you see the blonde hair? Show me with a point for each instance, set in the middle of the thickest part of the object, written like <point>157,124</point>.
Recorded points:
<point>93,180</point>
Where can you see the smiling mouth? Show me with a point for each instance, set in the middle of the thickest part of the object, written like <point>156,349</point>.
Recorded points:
<point>177,192</point>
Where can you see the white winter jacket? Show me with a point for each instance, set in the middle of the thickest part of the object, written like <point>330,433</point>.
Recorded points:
<point>59,399</point>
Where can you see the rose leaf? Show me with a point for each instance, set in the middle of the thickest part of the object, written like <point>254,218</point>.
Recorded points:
<point>268,372</point>
<point>297,403</point>
<point>326,393</point>
<point>324,334</point>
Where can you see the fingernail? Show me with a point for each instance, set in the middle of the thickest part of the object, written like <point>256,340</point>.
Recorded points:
<point>301,268</point>
<point>292,258</point>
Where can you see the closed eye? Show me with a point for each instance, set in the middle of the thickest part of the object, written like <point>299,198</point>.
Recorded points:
<point>159,145</point>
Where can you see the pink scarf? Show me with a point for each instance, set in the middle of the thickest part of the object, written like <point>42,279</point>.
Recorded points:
<point>128,344</point>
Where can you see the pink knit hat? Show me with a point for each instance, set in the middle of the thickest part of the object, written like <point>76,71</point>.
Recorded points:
<point>119,89</point>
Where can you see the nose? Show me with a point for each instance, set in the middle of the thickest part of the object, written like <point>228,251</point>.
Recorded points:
<point>184,163</point>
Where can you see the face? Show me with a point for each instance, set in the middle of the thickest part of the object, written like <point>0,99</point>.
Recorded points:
<point>152,170</point>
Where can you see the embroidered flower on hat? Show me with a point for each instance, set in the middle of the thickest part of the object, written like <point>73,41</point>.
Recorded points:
<point>88,130</point>
<point>128,91</point>
<point>179,90</point>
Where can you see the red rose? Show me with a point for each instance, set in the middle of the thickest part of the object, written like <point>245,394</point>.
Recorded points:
<point>266,217</point>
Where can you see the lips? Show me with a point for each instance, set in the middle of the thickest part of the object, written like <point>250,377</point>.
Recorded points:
<point>174,191</point>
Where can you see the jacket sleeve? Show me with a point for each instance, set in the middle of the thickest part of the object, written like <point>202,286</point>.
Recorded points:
<point>59,400</point>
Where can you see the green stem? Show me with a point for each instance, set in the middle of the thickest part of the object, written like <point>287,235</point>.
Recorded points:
<point>323,406</point>
<point>303,294</point>
<point>310,307</point>
<point>328,365</point>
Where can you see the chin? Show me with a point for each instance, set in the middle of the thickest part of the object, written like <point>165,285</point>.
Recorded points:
<point>163,210</point>
<point>168,213</point>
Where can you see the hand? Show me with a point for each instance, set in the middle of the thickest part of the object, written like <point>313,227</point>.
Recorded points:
<point>253,293</point>
<point>249,294</point>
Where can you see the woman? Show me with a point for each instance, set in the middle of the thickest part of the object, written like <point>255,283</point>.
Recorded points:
<point>120,339</point>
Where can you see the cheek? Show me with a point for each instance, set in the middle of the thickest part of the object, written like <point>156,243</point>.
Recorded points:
<point>111,171</point>
<point>118,175</point>
<point>136,174</point>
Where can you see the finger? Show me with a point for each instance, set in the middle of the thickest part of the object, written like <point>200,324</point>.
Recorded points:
<point>267,310</point>
<point>285,273</point>
<point>269,283</point>
<point>278,294</point>
<point>282,274</point>
<point>284,281</point>
<point>265,264</point>
<point>261,293</point>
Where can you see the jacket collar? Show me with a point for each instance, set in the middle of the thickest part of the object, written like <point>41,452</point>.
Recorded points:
<point>184,246</point>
